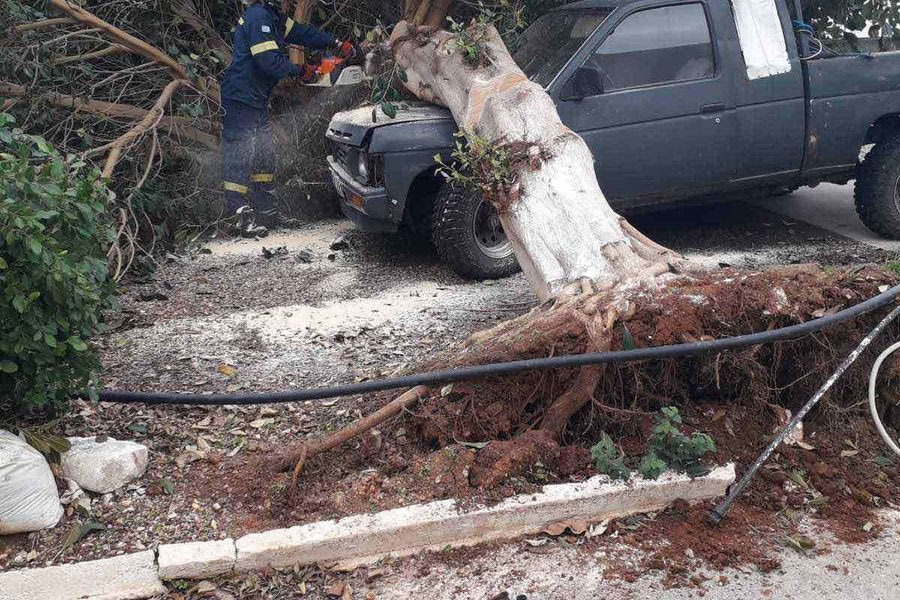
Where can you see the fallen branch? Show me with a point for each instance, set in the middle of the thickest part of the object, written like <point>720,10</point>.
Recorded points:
<point>150,121</point>
<point>299,453</point>
<point>109,50</point>
<point>44,24</point>
<point>187,10</point>
<point>182,126</point>
<point>132,43</point>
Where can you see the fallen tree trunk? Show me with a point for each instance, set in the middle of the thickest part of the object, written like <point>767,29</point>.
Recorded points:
<point>557,218</point>
<point>570,243</point>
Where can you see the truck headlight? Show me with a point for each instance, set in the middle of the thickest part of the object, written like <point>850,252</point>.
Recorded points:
<point>363,168</point>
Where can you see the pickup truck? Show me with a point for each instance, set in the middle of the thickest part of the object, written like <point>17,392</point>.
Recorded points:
<point>660,91</point>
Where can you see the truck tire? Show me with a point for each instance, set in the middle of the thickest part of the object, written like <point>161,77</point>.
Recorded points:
<point>467,235</point>
<point>877,193</point>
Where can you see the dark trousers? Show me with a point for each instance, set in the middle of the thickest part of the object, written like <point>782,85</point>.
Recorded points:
<point>248,157</point>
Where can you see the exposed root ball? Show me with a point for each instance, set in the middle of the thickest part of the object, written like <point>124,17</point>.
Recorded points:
<point>573,406</point>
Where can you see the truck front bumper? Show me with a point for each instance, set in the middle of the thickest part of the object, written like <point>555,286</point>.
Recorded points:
<point>369,208</point>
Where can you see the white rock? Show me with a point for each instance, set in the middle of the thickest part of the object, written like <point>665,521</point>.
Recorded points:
<point>103,466</point>
<point>29,499</point>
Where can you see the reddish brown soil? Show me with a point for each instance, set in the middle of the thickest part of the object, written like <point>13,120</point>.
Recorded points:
<point>438,451</point>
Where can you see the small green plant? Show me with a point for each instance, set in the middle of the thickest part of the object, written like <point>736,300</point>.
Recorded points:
<point>387,84</point>
<point>54,283</point>
<point>893,266</point>
<point>477,165</point>
<point>668,448</point>
<point>609,460</point>
<point>507,16</point>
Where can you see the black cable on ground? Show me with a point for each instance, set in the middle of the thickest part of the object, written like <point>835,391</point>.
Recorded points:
<point>535,364</point>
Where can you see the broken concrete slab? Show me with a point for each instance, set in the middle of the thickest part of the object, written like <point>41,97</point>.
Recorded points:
<point>120,578</point>
<point>196,560</point>
<point>403,531</point>
<point>103,466</point>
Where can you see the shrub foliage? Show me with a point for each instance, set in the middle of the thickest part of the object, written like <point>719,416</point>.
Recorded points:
<point>54,283</point>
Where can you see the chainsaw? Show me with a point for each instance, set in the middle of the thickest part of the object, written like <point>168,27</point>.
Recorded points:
<point>332,72</point>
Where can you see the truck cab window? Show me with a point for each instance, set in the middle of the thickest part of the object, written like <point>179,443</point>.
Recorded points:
<point>549,44</point>
<point>656,46</point>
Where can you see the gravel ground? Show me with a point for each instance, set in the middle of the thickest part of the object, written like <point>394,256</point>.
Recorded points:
<point>246,315</point>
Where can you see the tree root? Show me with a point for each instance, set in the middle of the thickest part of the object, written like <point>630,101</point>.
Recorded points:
<point>297,454</point>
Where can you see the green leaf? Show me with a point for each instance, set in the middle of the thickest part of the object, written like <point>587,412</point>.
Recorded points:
<point>35,246</point>
<point>78,533</point>
<point>627,339</point>
<point>167,486</point>
<point>139,428</point>
<point>7,366</point>
<point>883,461</point>
<point>3,264</point>
<point>389,109</point>
<point>77,344</point>
<point>652,466</point>
<point>20,303</point>
<point>50,340</point>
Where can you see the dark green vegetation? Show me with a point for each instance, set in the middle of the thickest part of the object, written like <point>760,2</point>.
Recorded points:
<point>54,281</point>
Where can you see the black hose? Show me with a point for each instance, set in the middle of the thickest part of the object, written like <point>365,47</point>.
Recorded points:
<point>535,364</point>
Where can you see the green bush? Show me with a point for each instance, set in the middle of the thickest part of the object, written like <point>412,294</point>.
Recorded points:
<point>54,283</point>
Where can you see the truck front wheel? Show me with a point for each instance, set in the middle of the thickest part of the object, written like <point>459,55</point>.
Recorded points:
<point>467,234</point>
<point>878,189</point>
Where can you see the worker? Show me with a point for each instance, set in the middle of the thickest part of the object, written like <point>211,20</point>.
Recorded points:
<point>258,63</point>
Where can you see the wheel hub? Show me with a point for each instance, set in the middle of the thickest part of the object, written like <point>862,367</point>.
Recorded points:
<point>489,234</point>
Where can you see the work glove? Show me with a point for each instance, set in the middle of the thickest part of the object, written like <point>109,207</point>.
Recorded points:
<point>308,74</point>
<point>350,52</point>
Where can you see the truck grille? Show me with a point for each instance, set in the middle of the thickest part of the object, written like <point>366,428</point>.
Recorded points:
<point>341,153</point>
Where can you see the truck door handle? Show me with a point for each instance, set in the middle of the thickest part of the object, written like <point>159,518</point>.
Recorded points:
<point>708,109</point>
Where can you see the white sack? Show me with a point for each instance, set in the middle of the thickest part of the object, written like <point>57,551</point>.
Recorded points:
<point>761,37</point>
<point>29,499</point>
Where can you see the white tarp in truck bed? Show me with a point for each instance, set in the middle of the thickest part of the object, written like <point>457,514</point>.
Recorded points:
<point>761,37</point>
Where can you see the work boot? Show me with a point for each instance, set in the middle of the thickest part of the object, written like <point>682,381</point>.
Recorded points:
<point>265,208</point>
<point>247,225</point>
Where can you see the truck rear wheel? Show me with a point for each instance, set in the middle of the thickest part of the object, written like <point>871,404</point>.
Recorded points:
<point>467,234</point>
<point>878,189</point>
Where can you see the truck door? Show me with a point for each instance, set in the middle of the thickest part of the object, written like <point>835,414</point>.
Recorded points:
<point>651,105</point>
<point>770,112</point>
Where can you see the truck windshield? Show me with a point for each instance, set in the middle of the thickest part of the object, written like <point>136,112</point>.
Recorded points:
<point>551,41</point>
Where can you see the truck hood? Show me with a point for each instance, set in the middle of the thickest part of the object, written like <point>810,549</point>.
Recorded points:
<point>351,126</point>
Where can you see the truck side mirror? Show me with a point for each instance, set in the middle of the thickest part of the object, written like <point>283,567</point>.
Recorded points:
<point>584,83</point>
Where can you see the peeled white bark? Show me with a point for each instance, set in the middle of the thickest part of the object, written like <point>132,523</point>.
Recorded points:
<point>560,224</point>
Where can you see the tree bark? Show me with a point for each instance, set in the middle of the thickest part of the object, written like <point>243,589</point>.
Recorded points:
<point>561,227</point>
<point>301,15</point>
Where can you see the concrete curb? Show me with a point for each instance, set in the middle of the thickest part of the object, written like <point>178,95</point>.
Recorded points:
<point>411,529</point>
<point>361,538</point>
<point>195,560</point>
<point>127,577</point>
